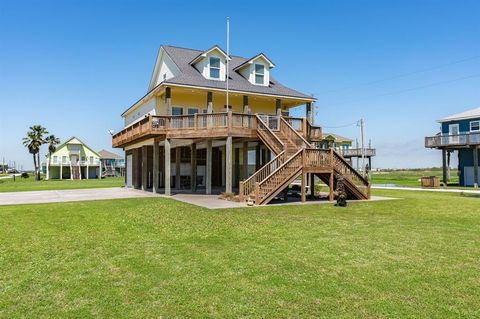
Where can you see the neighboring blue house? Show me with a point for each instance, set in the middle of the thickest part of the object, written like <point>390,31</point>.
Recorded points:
<point>459,132</point>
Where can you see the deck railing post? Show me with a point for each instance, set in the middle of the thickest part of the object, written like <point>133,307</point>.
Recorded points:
<point>229,119</point>
<point>241,191</point>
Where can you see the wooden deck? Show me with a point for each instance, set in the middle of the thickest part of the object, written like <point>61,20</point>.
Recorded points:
<point>201,125</point>
<point>453,141</point>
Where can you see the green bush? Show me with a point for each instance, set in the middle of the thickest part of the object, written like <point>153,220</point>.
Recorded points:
<point>25,175</point>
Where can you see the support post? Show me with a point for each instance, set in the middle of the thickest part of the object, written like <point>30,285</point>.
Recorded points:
<point>156,166</point>
<point>475,167</point>
<point>228,165</point>
<point>61,171</point>
<point>88,172</point>
<point>304,180</point>
<point>144,168</point>
<point>245,104</point>
<point>257,157</point>
<point>193,168</point>
<point>208,171</point>
<point>168,100</point>
<point>245,160</point>
<point>309,111</point>
<point>178,154</point>
<point>330,185</point>
<point>278,107</point>
<point>167,152</point>
<point>209,102</point>
<point>312,185</point>
<point>444,166</point>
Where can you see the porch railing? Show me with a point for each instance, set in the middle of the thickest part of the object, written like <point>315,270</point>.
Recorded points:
<point>462,139</point>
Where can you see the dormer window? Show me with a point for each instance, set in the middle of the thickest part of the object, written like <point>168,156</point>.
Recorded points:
<point>259,74</point>
<point>214,67</point>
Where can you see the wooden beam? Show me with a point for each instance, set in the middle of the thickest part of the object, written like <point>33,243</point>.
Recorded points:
<point>178,155</point>
<point>156,166</point>
<point>168,100</point>
<point>304,181</point>
<point>245,104</point>
<point>331,185</point>
<point>228,165</point>
<point>475,167</point>
<point>208,171</point>
<point>168,190</point>
<point>209,102</point>
<point>193,167</point>
<point>278,106</point>
<point>444,166</point>
<point>245,160</point>
<point>144,167</point>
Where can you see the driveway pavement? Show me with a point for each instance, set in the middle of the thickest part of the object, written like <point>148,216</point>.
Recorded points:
<point>70,195</point>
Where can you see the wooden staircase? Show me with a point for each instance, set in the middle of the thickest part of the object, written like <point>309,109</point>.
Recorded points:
<point>295,156</point>
<point>75,172</point>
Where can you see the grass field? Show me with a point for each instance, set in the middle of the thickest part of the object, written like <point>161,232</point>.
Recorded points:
<point>409,177</point>
<point>415,257</point>
<point>29,184</point>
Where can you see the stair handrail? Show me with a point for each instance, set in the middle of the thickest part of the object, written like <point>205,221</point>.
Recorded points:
<point>294,132</point>
<point>262,126</point>
<point>291,158</point>
<point>248,185</point>
<point>359,176</point>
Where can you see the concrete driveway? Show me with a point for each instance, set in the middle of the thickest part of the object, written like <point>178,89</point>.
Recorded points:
<point>70,195</point>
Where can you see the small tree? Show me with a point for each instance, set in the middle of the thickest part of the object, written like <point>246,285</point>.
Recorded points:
<point>52,142</point>
<point>33,141</point>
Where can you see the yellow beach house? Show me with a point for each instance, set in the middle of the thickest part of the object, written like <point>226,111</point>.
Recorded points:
<point>214,123</point>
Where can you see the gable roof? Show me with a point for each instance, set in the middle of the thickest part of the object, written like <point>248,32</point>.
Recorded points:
<point>79,140</point>
<point>336,137</point>
<point>190,76</point>
<point>470,114</point>
<point>271,64</point>
<point>104,154</point>
<point>204,53</point>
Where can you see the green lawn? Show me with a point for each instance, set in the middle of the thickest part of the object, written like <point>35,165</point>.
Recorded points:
<point>417,257</point>
<point>29,184</point>
<point>409,177</point>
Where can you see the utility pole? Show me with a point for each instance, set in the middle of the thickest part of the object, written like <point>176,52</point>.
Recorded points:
<point>228,57</point>
<point>362,140</point>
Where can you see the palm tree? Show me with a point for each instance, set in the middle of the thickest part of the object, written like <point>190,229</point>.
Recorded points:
<point>52,142</point>
<point>33,142</point>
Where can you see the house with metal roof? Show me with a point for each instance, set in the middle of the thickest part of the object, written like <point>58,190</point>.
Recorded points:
<point>459,133</point>
<point>207,114</point>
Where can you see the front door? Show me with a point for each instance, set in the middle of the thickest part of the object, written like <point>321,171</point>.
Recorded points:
<point>453,132</point>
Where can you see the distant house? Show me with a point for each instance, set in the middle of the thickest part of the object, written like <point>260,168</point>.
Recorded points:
<point>344,146</point>
<point>459,132</point>
<point>112,164</point>
<point>73,160</point>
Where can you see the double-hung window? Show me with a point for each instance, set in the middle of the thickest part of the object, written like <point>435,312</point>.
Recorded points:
<point>475,126</point>
<point>214,67</point>
<point>259,74</point>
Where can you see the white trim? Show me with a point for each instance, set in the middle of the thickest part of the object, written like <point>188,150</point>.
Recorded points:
<point>453,125</point>
<point>262,74</point>
<point>478,122</point>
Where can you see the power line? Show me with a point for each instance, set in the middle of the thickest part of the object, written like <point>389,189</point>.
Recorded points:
<point>341,126</point>
<point>406,74</point>
<point>407,90</point>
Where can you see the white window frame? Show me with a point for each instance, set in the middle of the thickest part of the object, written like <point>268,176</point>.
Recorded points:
<point>210,67</point>
<point>260,74</point>
<point>478,123</point>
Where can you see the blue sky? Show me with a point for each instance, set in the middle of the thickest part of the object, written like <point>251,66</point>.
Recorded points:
<point>74,66</point>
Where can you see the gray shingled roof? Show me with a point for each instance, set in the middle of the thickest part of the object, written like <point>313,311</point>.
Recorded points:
<point>190,76</point>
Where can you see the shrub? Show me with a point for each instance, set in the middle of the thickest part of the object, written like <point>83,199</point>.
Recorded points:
<point>25,175</point>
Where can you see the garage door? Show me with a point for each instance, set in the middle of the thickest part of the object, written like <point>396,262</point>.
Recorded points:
<point>129,170</point>
<point>468,175</point>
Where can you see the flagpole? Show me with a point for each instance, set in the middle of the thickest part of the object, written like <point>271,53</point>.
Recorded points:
<point>228,56</point>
